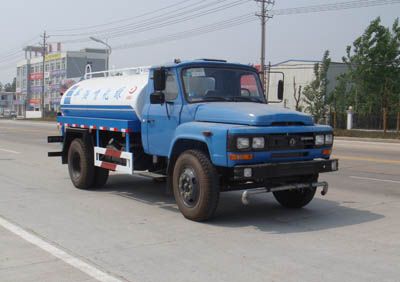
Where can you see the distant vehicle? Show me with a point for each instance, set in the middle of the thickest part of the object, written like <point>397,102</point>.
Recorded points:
<point>9,114</point>
<point>204,126</point>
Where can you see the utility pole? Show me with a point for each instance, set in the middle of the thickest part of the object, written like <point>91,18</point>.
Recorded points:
<point>264,17</point>
<point>44,52</point>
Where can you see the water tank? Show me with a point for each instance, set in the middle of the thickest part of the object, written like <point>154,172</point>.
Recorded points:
<point>113,97</point>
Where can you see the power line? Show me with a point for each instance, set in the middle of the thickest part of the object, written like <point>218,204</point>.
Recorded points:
<point>333,7</point>
<point>14,51</point>
<point>180,20</point>
<point>155,19</point>
<point>298,10</point>
<point>244,19</point>
<point>192,32</point>
<point>144,25</point>
<point>162,22</point>
<point>122,20</point>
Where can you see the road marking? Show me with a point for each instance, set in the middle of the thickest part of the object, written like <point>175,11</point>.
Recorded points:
<point>366,142</point>
<point>375,179</point>
<point>9,151</point>
<point>58,253</point>
<point>367,159</point>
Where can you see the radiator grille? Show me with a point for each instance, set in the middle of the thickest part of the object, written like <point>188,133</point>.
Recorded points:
<point>290,141</point>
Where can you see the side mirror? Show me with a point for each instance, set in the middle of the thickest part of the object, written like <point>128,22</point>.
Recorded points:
<point>159,79</point>
<point>157,98</point>
<point>280,90</point>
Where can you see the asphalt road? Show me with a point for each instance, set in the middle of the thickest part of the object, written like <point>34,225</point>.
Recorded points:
<point>132,231</point>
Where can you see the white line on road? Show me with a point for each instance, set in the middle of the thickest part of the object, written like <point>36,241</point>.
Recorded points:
<point>375,179</point>
<point>338,141</point>
<point>9,151</point>
<point>58,253</point>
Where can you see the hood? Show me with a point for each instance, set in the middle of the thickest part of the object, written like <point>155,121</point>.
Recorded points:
<point>253,114</point>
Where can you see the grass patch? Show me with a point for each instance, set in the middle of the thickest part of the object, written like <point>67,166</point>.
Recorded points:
<point>367,134</point>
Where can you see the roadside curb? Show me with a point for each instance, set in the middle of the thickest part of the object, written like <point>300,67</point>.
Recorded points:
<point>376,140</point>
<point>23,121</point>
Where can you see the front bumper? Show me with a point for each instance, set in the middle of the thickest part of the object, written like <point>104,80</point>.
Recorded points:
<point>262,172</point>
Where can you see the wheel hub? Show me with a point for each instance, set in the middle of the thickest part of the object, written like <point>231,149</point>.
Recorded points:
<point>188,187</point>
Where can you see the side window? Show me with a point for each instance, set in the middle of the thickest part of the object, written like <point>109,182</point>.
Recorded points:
<point>171,88</point>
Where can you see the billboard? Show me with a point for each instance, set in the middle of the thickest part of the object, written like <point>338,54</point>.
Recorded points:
<point>34,102</point>
<point>36,76</point>
<point>52,57</point>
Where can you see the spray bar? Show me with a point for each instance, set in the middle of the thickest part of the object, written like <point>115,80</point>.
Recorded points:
<point>246,194</point>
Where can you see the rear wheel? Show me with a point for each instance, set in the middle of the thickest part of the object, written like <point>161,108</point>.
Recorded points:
<point>195,186</point>
<point>81,164</point>
<point>100,177</point>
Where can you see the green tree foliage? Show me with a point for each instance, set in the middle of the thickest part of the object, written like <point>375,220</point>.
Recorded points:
<point>315,94</point>
<point>373,80</point>
<point>11,87</point>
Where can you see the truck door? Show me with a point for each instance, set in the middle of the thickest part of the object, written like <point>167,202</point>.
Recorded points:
<point>162,120</point>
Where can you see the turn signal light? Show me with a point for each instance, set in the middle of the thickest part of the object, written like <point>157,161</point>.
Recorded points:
<point>327,152</point>
<point>240,157</point>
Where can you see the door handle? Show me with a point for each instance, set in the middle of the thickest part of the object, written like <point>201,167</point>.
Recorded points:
<point>150,121</point>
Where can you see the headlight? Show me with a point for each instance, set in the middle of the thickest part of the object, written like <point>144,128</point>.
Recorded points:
<point>258,143</point>
<point>243,143</point>
<point>319,140</point>
<point>329,139</point>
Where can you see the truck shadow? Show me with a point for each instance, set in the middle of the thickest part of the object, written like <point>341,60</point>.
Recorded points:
<point>263,213</point>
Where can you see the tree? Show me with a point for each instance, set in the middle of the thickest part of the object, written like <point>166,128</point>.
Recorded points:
<point>338,100</point>
<point>297,95</point>
<point>11,87</point>
<point>315,96</point>
<point>373,81</point>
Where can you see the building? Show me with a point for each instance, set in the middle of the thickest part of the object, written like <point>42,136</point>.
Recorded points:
<point>61,70</point>
<point>9,102</point>
<point>300,73</point>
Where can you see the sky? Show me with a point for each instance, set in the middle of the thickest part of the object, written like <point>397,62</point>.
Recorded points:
<point>304,36</point>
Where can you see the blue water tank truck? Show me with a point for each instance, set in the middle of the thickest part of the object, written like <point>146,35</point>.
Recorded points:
<point>204,126</point>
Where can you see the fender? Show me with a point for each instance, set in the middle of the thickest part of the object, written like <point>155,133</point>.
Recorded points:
<point>214,135</point>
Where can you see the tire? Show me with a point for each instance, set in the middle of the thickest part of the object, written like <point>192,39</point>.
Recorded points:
<point>160,180</point>
<point>100,177</point>
<point>195,186</point>
<point>295,199</point>
<point>81,164</point>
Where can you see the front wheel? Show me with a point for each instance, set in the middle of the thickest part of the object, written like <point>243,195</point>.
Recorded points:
<point>195,186</point>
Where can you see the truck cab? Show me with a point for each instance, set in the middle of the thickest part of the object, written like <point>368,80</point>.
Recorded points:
<point>205,126</point>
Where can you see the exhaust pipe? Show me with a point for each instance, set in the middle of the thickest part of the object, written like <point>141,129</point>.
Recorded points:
<point>246,194</point>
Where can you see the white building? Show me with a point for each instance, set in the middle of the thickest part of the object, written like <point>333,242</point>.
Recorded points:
<point>302,73</point>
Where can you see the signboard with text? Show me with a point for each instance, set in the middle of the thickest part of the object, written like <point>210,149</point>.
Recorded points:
<point>53,57</point>
<point>36,76</point>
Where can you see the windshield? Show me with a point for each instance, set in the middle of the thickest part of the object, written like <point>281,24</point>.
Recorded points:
<point>220,84</point>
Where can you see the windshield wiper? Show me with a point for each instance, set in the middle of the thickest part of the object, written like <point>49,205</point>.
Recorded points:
<point>247,99</point>
<point>216,98</point>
